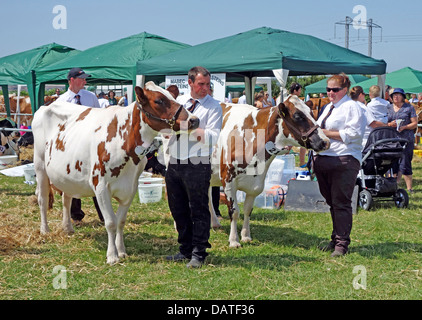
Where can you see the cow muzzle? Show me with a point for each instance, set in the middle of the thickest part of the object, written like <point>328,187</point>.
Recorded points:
<point>193,123</point>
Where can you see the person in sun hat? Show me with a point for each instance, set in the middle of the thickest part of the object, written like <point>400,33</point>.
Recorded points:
<point>77,95</point>
<point>402,115</point>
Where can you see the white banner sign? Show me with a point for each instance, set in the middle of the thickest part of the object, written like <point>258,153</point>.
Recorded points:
<point>218,85</point>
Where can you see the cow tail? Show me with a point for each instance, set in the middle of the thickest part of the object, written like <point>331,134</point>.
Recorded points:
<point>50,198</point>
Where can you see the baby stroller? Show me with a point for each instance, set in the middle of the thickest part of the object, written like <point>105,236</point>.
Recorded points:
<point>383,150</point>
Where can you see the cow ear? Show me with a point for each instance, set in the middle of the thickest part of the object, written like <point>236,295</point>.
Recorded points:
<point>282,110</point>
<point>140,95</point>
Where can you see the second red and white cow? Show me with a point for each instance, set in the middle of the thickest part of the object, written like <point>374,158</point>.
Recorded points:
<point>87,152</point>
<point>249,141</point>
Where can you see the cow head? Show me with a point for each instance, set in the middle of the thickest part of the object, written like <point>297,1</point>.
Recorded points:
<point>298,122</point>
<point>161,111</point>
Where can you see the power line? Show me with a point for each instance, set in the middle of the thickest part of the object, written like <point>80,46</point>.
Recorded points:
<point>363,24</point>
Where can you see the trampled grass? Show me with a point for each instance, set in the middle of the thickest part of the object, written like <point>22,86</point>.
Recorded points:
<point>282,262</point>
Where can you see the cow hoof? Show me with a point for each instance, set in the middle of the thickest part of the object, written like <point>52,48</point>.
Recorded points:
<point>246,239</point>
<point>45,230</point>
<point>112,260</point>
<point>234,244</point>
<point>68,230</point>
<point>123,255</point>
<point>216,226</point>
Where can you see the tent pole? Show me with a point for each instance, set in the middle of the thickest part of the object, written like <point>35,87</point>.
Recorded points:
<point>5,89</point>
<point>381,84</point>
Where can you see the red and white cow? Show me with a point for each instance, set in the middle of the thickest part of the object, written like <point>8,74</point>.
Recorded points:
<point>87,152</point>
<point>249,141</point>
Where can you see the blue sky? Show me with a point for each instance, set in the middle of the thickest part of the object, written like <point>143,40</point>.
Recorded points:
<point>26,24</point>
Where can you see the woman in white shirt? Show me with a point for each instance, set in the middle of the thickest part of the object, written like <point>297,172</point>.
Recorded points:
<point>336,169</point>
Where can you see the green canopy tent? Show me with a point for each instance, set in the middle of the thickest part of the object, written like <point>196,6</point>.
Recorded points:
<point>320,86</point>
<point>21,68</point>
<point>410,80</point>
<point>112,62</point>
<point>262,52</point>
<point>241,88</point>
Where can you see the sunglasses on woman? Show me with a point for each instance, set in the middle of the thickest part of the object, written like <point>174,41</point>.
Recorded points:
<point>333,89</point>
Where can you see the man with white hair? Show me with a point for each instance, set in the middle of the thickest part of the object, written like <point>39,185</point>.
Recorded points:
<point>377,106</point>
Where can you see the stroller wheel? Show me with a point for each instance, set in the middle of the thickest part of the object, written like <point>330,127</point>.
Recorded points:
<point>365,200</point>
<point>401,198</point>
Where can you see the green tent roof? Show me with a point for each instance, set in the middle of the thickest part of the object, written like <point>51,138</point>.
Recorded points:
<point>21,68</point>
<point>320,86</point>
<point>410,80</point>
<point>257,52</point>
<point>112,61</point>
<point>15,68</point>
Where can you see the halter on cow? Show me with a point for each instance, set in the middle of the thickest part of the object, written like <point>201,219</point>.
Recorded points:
<point>85,151</point>
<point>259,136</point>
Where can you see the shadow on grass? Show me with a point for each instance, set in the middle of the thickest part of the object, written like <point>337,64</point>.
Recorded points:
<point>386,250</point>
<point>145,246</point>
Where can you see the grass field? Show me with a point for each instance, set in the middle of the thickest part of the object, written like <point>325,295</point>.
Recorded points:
<point>282,261</point>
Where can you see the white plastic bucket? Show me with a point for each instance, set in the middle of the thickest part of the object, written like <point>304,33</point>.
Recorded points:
<point>29,174</point>
<point>150,189</point>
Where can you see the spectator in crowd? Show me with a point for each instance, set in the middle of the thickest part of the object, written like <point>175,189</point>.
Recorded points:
<point>242,99</point>
<point>378,106</point>
<point>357,94</point>
<point>403,116</point>
<point>123,102</point>
<point>259,98</point>
<point>413,99</point>
<point>268,102</point>
<point>111,98</point>
<point>102,100</point>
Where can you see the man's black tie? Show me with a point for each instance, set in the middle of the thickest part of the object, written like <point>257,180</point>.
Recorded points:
<point>325,119</point>
<point>194,104</point>
<point>78,99</point>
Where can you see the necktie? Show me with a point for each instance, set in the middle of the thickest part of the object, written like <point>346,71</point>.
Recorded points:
<point>78,99</point>
<point>194,104</point>
<point>325,119</point>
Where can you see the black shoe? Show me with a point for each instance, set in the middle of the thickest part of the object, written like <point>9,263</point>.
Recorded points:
<point>194,263</point>
<point>177,257</point>
<point>337,253</point>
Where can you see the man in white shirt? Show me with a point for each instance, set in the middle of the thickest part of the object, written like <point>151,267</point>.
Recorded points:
<point>377,106</point>
<point>77,95</point>
<point>189,170</point>
<point>242,99</point>
<point>103,101</point>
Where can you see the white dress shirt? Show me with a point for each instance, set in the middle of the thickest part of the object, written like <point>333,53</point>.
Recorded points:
<point>87,98</point>
<point>209,112</point>
<point>348,118</point>
<point>103,103</point>
<point>369,119</point>
<point>378,108</point>
<point>242,100</point>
